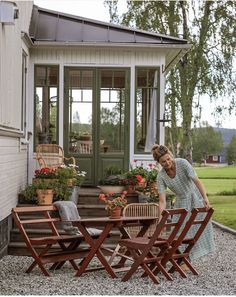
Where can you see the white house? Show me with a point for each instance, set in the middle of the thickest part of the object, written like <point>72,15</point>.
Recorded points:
<point>70,80</point>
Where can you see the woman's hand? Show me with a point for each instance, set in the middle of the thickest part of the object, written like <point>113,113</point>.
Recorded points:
<point>207,204</point>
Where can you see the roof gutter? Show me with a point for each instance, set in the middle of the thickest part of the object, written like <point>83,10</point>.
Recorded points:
<point>106,44</point>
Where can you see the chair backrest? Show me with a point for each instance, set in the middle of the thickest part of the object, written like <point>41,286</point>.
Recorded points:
<point>197,221</point>
<point>50,155</point>
<point>141,209</point>
<point>40,215</point>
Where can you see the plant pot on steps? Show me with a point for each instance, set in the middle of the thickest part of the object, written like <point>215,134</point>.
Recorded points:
<point>45,196</point>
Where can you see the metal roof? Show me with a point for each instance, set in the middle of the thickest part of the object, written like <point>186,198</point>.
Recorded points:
<point>52,26</point>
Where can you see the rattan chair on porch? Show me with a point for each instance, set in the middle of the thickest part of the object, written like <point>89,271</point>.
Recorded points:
<point>51,155</point>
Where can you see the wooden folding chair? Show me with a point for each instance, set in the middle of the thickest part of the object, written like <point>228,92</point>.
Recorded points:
<point>51,155</point>
<point>136,210</point>
<point>52,247</point>
<point>140,248</point>
<point>184,243</point>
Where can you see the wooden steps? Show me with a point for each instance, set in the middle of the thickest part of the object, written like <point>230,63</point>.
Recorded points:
<point>88,206</point>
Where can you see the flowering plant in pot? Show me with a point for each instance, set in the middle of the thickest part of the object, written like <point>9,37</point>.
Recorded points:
<point>46,173</point>
<point>113,182</point>
<point>114,203</point>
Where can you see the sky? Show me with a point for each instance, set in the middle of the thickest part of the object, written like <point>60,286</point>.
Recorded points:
<point>95,9</point>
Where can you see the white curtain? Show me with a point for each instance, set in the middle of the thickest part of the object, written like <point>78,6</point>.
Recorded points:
<point>152,122</point>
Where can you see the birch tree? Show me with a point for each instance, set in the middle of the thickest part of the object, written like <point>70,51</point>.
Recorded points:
<point>206,69</point>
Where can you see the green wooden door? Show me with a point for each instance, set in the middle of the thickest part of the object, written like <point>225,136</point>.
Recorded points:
<point>96,119</point>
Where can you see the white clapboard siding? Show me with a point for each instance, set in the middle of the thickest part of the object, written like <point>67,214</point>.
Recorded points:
<point>13,173</point>
<point>102,56</point>
<point>13,155</point>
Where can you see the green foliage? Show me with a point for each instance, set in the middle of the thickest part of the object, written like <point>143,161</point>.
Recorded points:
<point>28,195</point>
<point>112,180</point>
<point>206,69</point>
<point>231,151</point>
<point>206,141</point>
<point>62,192</point>
<point>112,170</point>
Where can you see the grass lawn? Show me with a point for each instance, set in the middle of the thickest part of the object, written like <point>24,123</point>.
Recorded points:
<point>214,186</point>
<point>217,180</point>
<point>225,210</point>
<point>216,172</point>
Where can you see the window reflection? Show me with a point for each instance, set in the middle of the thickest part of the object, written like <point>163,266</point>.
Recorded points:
<point>147,94</point>
<point>46,104</point>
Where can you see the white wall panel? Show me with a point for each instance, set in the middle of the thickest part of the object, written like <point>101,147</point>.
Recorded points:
<point>13,155</point>
<point>13,173</point>
<point>97,56</point>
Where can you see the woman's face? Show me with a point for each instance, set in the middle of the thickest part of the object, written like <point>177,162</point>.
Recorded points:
<point>166,161</point>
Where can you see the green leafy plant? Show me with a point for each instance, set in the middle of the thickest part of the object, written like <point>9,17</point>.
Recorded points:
<point>28,194</point>
<point>136,169</point>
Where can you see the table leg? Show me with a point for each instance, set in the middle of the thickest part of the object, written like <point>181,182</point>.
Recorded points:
<point>95,249</point>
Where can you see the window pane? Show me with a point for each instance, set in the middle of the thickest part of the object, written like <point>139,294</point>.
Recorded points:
<point>142,78</point>
<point>146,109</point>
<point>112,108</point>
<point>80,111</point>
<point>119,79</point>
<point>46,104</point>
<point>106,79</point>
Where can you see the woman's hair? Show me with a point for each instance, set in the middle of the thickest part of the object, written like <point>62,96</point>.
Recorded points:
<point>160,150</point>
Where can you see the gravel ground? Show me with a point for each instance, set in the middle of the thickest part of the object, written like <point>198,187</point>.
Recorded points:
<point>217,276</point>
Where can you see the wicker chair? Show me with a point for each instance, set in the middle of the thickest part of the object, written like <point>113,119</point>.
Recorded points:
<point>51,155</point>
<point>141,210</point>
<point>134,210</point>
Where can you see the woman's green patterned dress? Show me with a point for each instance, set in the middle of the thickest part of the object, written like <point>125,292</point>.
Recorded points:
<point>187,196</point>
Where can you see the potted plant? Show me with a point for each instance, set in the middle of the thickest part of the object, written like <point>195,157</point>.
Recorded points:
<point>113,182</point>
<point>114,203</point>
<point>152,175</point>
<point>45,174</point>
<point>45,192</point>
<point>27,195</point>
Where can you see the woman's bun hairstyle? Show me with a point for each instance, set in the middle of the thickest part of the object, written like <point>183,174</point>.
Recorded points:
<point>160,150</point>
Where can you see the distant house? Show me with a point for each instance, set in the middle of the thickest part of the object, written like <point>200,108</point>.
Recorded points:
<point>63,77</point>
<point>220,158</point>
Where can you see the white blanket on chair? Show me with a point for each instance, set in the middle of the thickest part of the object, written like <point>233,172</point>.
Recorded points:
<point>68,211</point>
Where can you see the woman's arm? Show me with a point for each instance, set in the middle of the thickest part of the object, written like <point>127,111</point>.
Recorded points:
<point>162,202</point>
<point>202,190</point>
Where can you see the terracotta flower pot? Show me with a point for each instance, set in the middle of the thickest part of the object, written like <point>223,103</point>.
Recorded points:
<point>115,213</point>
<point>45,196</point>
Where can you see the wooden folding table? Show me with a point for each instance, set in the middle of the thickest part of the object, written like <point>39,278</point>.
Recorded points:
<point>107,224</point>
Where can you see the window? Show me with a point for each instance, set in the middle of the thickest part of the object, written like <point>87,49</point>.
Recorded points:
<point>46,104</point>
<point>146,109</point>
<point>215,158</point>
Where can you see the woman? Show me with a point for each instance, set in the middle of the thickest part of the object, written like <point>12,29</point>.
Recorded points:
<point>179,176</point>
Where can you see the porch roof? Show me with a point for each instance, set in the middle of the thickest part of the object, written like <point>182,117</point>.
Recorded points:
<point>51,28</point>
<point>48,25</point>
